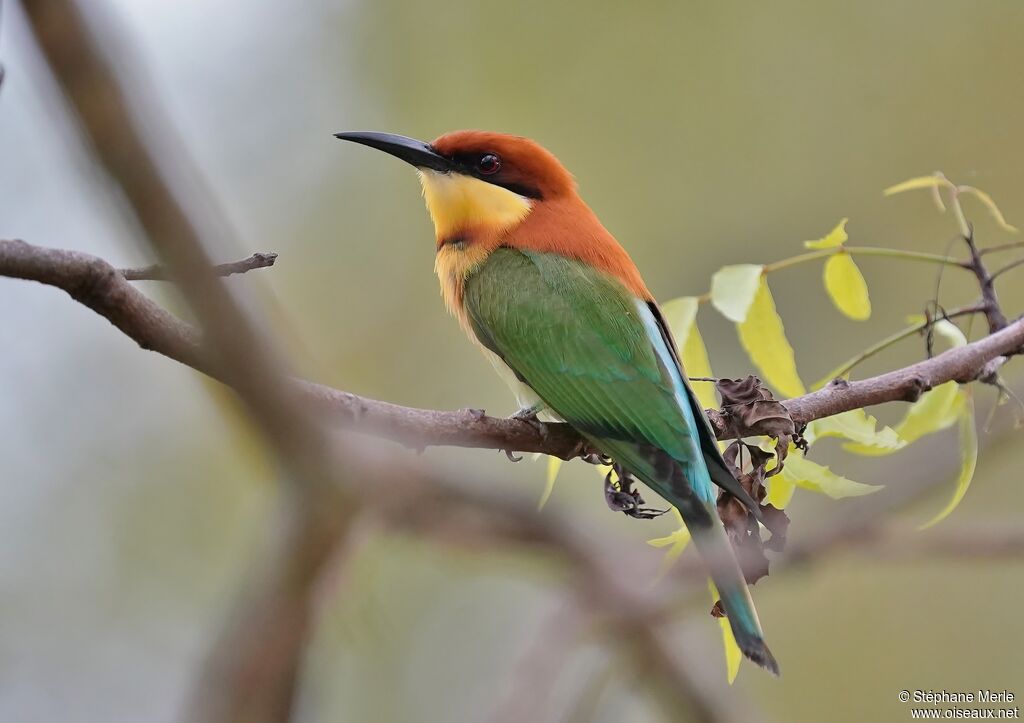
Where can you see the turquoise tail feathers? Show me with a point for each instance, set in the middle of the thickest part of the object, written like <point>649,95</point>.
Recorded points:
<point>716,550</point>
<point>709,536</point>
<point>695,502</point>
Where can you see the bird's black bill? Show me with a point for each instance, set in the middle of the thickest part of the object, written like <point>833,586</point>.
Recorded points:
<point>410,150</point>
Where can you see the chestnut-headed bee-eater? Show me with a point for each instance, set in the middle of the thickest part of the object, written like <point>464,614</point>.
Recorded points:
<point>558,305</point>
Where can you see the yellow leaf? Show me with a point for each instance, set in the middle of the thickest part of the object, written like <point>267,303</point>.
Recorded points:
<point>835,237</point>
<point>764,338</point>
<point>936,410</point>
<point>780,491</point>
<point>968,457</point>
<point>945,328</point>
<point>950,332</point>
<point>680,315</point>
<point>733,289</point>
<point>919,182</point>
<point>733,656</point>
<point>812,476</point>
<point>845,284</point>
<point>697,364</point>
<point>990,205</point>
<point>675,541</point>
<point>857,426</point>
<point>554,464</point>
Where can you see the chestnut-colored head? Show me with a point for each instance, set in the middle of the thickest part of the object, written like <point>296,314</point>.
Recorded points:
<point>516,163</point>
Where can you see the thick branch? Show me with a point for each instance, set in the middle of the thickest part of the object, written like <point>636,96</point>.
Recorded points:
<point>986,281</point>
<point>99,286</point>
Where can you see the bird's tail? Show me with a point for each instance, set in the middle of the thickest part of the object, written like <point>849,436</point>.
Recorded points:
<point>709,536</point>
<point>688,488</point>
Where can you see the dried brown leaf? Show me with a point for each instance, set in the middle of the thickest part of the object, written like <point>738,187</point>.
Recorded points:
<point>749,403</point>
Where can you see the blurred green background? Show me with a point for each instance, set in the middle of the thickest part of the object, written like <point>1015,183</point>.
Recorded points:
<point>702,134</point>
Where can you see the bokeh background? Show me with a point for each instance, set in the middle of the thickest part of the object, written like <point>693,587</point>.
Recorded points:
<point>133,500</point>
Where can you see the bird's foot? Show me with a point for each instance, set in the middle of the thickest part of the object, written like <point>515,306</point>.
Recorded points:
<point>528,416</point>
<point>621,497</point>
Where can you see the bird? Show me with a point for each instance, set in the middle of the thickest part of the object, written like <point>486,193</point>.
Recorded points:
<point>562,312</point>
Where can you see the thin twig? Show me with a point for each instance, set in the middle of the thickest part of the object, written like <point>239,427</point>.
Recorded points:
<point>1011,265</point>
<point>1001,247</point>
<point>156,272</point>
<point>895,337</point>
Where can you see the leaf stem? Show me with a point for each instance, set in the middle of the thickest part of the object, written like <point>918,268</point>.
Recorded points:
<point>857,250</point>
<point>1011,265</point>
<point>865,251</point>
<point>888,341</point>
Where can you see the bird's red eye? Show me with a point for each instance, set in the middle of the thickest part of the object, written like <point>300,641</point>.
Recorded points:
<point>488,164</point>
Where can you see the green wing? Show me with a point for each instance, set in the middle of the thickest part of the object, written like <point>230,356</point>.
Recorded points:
<point>576,336</point>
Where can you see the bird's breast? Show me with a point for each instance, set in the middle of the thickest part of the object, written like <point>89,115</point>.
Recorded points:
<point>454,262</point>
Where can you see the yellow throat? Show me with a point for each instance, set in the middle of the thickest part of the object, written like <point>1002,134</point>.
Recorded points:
<point>460,204</point>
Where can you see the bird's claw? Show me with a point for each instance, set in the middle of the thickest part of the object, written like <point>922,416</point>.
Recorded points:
<point>592,457</point>
<point>528,416</point>
<point>512,456</point>
<point>622,498</point>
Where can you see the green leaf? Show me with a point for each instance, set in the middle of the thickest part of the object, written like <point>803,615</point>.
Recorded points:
<point>733,655</point>
<point>733,289</point>
<point>857,426</point>
<point>845,284</point>
<point>968,457</point>
<point>919,182</point>
<point>802,472</point>
<point>764,339</point>
<point>554,464</point>
<point>835,237</point>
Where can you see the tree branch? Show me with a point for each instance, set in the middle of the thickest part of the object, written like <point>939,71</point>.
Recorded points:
<point>986,281</point>
<point>96,284</point>
<point>156,272</point>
